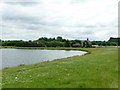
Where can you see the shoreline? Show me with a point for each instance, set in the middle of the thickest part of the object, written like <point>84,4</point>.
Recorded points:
<point>41,62</point>
<point>42,48</point>
<point>48,48</point>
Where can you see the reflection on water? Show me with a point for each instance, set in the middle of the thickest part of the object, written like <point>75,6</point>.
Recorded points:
<point>15,57</point>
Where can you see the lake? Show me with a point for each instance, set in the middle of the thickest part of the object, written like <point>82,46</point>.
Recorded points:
<point>15,57</point>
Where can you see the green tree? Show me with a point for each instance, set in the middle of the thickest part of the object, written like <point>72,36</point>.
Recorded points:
<point>59,38</point>
<point>67,43</point>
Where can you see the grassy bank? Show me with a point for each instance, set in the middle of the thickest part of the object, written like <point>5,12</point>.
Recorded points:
<point>7,47</point>
<point>99,69</point>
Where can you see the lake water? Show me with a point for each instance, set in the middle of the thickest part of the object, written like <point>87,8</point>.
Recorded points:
<point>15,57</point>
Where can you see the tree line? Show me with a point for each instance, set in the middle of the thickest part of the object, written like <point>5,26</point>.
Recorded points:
<point>56,42</point>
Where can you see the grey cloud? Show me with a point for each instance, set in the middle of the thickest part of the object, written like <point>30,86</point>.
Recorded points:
<point>23,3</point>
<point>16,17</point>
<point>5,1</point>
<point>31,25</point>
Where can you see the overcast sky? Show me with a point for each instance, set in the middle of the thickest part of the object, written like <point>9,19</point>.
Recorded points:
<point>71,19</point>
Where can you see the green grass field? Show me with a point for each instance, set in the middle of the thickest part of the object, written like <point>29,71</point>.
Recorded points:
<point>99,69</point>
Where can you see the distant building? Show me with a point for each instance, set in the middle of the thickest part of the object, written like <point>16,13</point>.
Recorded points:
<point>83,43</point>
<point>86,43</point>
<point>114,40</point>
<point>76,45</point>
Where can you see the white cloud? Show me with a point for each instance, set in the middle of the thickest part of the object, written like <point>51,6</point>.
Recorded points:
<point>72,19</point>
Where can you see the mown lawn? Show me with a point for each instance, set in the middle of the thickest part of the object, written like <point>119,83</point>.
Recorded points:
<point>99,69</point>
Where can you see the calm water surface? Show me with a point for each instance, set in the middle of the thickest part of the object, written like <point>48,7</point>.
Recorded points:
<point>15,57</point>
